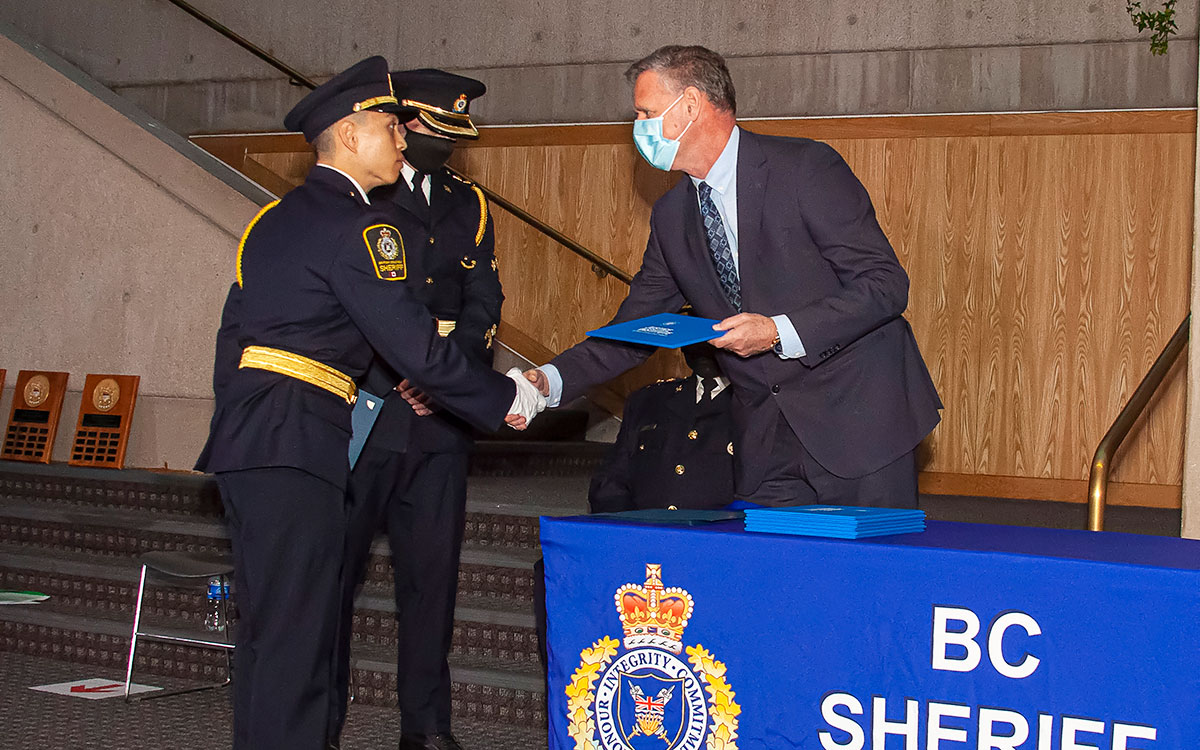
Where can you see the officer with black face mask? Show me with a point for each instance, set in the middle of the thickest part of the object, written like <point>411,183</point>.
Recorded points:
<point>411,476</point>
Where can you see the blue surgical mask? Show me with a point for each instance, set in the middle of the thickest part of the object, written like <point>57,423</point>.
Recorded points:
<point>652,144</point>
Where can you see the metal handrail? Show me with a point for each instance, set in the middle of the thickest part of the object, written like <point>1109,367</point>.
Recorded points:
<point>601,266</point>
<point>254,49</point>
<point>1102,460</point>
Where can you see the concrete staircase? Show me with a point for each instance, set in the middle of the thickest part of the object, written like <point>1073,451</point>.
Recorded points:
<point>73,533</point>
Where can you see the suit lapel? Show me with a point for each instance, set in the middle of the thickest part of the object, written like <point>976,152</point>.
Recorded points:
<point>751,197</point>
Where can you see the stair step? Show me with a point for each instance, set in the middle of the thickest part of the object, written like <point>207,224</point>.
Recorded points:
<point>483,626</point>
<point>162,491</point>
<point>80,583</point>
<point>197,495</point>
<point>532,458</point>
<point>501,513</point>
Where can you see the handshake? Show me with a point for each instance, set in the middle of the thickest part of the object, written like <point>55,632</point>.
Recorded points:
<point>532,389</point>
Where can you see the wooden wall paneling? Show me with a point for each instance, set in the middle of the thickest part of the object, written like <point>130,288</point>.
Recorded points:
<point>1157,260</point>
<point>1049,258</point>
<point>584,192</point>
<point>274,172</point>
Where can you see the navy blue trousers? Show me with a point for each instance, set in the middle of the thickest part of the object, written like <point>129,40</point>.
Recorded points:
<point>287,528</point>
<point>420,499</point>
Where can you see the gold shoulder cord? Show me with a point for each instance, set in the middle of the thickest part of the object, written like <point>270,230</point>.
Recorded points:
<point>245,234</point>
<point>482,214</point>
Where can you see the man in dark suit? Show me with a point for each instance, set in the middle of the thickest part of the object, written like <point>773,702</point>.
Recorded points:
<point>675,448</point>
<point>777,239</point>
<point>411,477</point>
<point>316,298</point>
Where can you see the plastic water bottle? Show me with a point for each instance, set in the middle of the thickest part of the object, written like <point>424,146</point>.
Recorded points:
<point>214,621</point>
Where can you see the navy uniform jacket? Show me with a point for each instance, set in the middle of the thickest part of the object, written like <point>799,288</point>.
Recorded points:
<point>670,451</point>
<point>453,272</point>
<point>310,286</point>
<point>809,246</point>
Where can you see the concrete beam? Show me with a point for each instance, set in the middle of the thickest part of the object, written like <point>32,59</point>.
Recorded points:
<point>563,62</point>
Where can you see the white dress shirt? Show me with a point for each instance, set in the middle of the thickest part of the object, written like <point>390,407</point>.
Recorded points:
<point>409,173</point>
<point>720,383</point>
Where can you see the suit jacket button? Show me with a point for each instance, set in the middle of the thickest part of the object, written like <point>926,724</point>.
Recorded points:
<point>775,389</point>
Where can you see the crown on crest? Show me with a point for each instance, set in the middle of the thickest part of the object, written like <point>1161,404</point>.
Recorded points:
<point>652,615</point>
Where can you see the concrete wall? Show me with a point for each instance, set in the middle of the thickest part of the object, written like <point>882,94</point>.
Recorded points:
<point>117,250</point>
<point>562,62</point>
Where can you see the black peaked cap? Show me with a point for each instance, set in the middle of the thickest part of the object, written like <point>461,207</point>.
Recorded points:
<point>442,100</point>
<point>365,85</point>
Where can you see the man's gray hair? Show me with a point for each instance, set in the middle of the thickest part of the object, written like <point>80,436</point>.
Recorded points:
<point>690,66</point>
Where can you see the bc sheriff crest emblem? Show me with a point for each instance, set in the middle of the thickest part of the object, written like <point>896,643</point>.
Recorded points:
<point>646,696</point>
<point>387,252</point>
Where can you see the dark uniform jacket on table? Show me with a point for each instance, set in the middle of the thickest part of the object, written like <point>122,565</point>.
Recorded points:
<point>310,284</point>
<point>671,451</point>
<point>811,248</point>
<point>450,247</point>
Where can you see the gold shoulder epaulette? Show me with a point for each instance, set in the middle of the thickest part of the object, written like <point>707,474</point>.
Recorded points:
<point>482,206</point>
<point>245,234</point>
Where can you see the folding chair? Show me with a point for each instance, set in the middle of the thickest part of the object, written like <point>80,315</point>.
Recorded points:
<point>190,567</point>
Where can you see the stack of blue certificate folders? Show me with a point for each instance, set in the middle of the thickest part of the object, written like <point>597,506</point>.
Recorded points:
<point>837,521</point>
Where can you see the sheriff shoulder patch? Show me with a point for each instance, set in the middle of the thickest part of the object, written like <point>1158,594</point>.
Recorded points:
<point>387,251</point>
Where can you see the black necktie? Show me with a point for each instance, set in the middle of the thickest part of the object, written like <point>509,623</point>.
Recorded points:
<point>420,202</point>
<point>706,388</point>
<point>718,246</point>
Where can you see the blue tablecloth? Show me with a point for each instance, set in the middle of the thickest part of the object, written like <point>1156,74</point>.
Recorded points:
<point>964,636</point>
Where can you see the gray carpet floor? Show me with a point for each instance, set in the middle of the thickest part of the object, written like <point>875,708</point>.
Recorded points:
<point>32,720</point>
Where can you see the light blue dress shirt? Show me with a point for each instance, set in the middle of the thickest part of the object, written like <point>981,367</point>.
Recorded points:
<point>722,178</point>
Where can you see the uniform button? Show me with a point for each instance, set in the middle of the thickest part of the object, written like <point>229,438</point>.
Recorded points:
<point>679,469</point>
<point>641,447</point>
<point>429,280</point>
<point>430,240</point>
<point>672,507</point>
<point>775,389</point>
<point>693,435</point>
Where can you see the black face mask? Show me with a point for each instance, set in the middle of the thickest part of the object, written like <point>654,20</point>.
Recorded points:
<point>427,153</point>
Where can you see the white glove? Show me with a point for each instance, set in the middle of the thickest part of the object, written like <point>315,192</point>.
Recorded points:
<point>528,402</point>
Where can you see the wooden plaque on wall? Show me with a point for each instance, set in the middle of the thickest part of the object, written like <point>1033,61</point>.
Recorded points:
<point>105,413</point>
<point>33,421</point>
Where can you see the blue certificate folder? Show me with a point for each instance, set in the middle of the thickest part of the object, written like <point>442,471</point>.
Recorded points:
<point>839,521</point>
<point>666,330</point>
<point>362,419</point>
